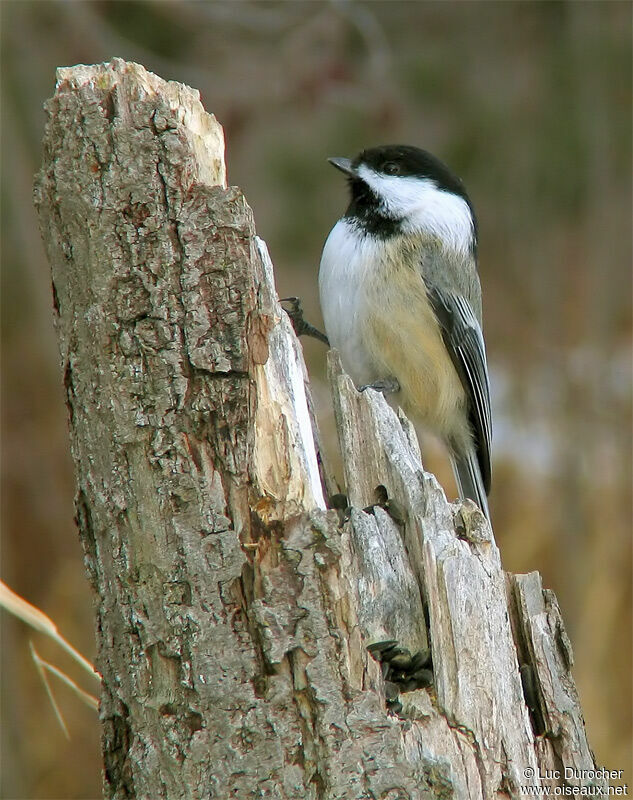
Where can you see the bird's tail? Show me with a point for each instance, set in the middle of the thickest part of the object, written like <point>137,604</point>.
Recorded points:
<point>469,480</point>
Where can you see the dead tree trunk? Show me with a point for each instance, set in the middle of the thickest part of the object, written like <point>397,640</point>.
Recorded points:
<point>233,609</point>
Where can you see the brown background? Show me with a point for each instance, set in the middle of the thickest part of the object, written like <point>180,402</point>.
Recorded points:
<point>531,104</point>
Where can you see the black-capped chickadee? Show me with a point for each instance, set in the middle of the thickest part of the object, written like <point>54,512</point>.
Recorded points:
<point>401,300</point>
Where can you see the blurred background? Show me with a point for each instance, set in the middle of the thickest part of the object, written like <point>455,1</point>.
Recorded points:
<point>530,103</point>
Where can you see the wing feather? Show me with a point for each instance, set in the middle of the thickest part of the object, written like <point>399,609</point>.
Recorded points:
<point>464,341</point>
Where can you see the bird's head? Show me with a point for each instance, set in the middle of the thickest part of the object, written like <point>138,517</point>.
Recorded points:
<point>398,189</point>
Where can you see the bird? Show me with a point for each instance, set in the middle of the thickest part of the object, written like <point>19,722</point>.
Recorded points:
<point>401,300</point>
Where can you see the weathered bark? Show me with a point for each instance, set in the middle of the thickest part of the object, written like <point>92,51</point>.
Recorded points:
<point>233,609</point>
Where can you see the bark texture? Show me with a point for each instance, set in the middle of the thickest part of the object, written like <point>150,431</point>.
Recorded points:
<point>233,608</point>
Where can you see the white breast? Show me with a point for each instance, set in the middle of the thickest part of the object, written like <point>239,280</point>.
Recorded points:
<point>378,316</point>
<point>347,257</point>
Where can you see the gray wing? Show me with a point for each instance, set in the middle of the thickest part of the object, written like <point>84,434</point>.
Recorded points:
<point>464,341</point>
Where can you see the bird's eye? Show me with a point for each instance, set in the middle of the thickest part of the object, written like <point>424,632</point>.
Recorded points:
<point>391,168</point>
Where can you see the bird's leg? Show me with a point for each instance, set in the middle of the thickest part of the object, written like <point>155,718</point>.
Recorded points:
<point>386,386</point>
<point>302,328</point>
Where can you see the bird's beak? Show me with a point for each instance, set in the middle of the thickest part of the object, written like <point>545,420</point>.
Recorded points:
<point>344,164</point>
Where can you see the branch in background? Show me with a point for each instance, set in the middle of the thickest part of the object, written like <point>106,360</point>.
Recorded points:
<point>43,667</point>
<point>38,620</point>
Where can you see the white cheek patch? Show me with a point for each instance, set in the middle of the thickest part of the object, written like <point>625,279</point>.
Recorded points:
<point>422,207</point>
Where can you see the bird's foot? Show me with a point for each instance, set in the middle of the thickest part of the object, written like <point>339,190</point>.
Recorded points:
<point>386,386</point>
<point>301,327</point>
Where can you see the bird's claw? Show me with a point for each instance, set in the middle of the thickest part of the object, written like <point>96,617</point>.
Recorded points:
<point>301,327</point>
<point>385,386</point>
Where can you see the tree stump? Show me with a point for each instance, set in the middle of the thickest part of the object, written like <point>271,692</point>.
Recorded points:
<point>233,607</point>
